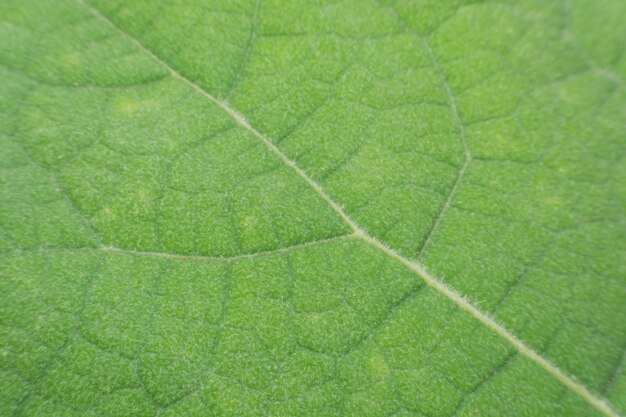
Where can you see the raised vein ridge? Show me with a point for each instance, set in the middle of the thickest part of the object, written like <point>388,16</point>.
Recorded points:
<point>415,266</point>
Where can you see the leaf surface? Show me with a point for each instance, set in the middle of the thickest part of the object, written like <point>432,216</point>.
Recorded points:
<point>312,208</point>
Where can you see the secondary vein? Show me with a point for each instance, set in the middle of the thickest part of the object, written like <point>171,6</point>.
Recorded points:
<point>466,151</point>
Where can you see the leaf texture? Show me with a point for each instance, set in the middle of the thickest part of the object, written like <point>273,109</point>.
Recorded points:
<point>328,208</point>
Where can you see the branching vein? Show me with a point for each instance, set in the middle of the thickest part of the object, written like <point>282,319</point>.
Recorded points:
<point>466,151</point>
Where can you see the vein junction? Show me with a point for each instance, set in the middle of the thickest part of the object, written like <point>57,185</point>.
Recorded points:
<point>357,231</point>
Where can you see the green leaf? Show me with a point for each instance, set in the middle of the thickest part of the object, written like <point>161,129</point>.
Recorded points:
<point>328,208</point>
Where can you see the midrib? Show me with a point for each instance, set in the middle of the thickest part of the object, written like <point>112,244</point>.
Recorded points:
<point>415,266</point>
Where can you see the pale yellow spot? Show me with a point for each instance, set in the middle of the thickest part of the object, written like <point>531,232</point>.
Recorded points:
<point>107,214</point>
<point>554,201</point>
<point>315,317</point>
<point>142,195</point>
<point>70,58</point>
<point>378,365</point>
<point>250,223</point>
<point>171,145</point>
<point>128,105</point>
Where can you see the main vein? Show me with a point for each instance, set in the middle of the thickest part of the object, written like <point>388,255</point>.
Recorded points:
<point>361,233</point>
